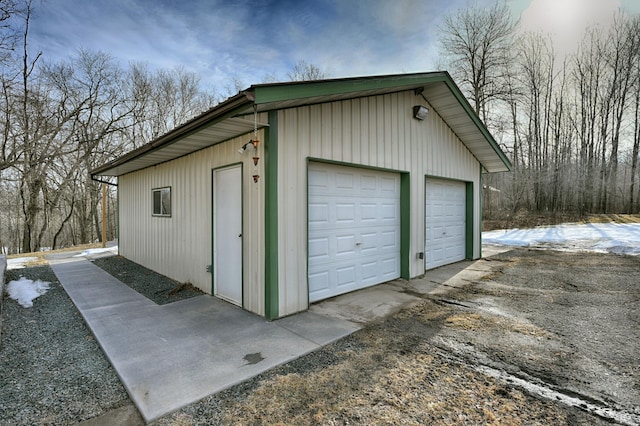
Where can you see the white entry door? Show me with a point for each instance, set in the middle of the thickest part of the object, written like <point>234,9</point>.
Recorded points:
<point>445,222</point>
<point>227,234</point>
<point>353,229</point>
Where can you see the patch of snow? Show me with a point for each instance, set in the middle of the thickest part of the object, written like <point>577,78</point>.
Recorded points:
<point>620,238</point>
<point>98,251</point>
<point>25,290</point>
<point>491,188</point>
<point>19,262</point>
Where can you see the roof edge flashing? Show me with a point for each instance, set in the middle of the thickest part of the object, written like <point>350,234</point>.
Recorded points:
<point>221,111</point>
<point>276,92</point>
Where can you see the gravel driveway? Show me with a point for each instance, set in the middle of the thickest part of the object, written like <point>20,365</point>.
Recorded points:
<point>564,322</point>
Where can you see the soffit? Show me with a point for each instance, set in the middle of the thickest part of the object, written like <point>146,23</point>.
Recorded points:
<point>202,138</point>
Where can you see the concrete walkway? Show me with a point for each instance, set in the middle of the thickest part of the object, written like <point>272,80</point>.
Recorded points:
<point>172,355</point>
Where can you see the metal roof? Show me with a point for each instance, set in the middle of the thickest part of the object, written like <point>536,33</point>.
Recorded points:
<point>225,121</point>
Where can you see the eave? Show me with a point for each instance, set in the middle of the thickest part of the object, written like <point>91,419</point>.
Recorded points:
<point>230,118</point>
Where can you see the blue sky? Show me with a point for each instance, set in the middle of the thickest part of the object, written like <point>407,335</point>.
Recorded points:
<point>249,39</point>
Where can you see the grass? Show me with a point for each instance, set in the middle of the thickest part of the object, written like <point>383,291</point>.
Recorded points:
<point>475,322</point>
<point>396,377</point>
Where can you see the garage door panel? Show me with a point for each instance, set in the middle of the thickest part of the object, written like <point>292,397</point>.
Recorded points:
<point>319,282</point>
<point>368,183</point>
<point>390,269</point>
<point>344,180</point>
<point>445,222</point>
<point>346,245</point>
<point>319,248</point>
<point>368,212</point>
<point>358,214</point>
<point>318,213</point>
<point>346,276</point>
<point>345,212</point>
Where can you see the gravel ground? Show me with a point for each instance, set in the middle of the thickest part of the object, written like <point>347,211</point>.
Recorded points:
<point>52,371</point>
<point>160,289</point>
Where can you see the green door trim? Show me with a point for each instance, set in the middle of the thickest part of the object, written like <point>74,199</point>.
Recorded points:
<point>405,225</point>
<point>480,200</point>
<point>405,211</point>
<point>271,297</point>
<point>469,237</point>
<point>469,220</point>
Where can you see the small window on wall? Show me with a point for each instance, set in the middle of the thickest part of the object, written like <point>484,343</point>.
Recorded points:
<point>162,202</point>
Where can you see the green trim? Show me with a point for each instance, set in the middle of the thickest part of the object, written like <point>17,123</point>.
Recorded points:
<point>291,91</point>
<point>307,228</point>
<point>294,94</point>
<point>117,233</point>
<point>356,165</point>
<point>468,220</point>
<point>480,200</point>
<point>468,217</point>
<point>455,90</point>
<point>405,210</point>
<point>227,109</point>
<point>271,297</point>
<point>405,225</point>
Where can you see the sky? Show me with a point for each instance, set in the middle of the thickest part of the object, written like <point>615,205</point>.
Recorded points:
<point>250,40</point>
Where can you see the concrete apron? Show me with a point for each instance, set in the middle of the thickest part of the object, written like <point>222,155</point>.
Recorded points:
<point>378,302</point>
<point>173,355</point>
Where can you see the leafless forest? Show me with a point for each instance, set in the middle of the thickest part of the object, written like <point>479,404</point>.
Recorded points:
<point>568,120</point>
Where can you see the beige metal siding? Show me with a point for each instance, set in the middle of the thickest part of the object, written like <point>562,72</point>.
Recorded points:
<point>180,246</point>
<point>374,132</point>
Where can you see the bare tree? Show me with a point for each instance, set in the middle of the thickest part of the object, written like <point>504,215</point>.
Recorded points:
<point>9,33</point>
<point>161,101</point>
<point>476,42</point>
<point>636,144</point>
<point>304,71</point>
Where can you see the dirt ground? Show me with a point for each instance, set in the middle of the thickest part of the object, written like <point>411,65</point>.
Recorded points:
<point>567,324</point>
<point>547,338</point>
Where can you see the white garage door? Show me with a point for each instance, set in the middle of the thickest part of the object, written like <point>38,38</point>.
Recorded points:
<point>445,222</point>
<point>354,229</point>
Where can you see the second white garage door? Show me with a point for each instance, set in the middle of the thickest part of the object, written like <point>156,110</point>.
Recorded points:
<point>445,222</point>
<point>354,229</point>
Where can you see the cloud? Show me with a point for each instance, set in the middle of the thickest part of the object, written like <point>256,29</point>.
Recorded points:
<point>566,20</point>
<point>248,39</point>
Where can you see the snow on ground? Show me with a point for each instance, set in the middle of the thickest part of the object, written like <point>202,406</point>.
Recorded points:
<point>620,238</point>
<point>25,290</point>
<point>98,251</point>
<point>19,262</point>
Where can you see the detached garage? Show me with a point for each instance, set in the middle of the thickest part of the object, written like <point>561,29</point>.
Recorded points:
<point>291,193</point>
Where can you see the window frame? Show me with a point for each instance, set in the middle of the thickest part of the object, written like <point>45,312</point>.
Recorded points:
<point>165,192</point>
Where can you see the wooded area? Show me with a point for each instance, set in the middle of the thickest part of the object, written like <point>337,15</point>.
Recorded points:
<point>569,122</point>
<point>60,120</point>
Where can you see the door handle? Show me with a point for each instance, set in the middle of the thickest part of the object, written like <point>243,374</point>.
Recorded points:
<point>239,235</point>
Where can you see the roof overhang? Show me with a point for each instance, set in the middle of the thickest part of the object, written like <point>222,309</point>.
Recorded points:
<point>226,121</point>
<point>217,125</point>
<point>438,88</point>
